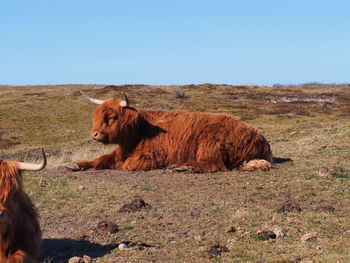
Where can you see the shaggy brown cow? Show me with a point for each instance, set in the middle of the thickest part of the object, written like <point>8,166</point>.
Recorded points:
<point>156,139</point>
<point>20,234</point>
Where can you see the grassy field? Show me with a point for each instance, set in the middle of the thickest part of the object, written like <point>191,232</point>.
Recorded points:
<point>189,212</point>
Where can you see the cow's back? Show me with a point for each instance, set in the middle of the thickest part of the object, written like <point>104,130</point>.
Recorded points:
<point>186,134</point>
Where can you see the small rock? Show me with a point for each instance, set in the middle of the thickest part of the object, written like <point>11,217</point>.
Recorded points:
<point>122,246</point>
<point>76,260</point>
<point>230,229</point>
<point>135,205</point>
<point>81,187</point>
<point>266,234</point>
<point>309,236</point>
<point>216,250</point>
<point>43,183</point>
<point>198,238</point>
<point>295,258</point>
<point>106,226</point>
<point>289,206</point>
<point>279,233</point>
<point>323,172</point>
<point>87,259</point>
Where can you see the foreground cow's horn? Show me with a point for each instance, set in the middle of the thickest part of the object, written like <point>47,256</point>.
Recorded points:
<point>96,101</point>
<point>32,166</point>
<point>124,102</point>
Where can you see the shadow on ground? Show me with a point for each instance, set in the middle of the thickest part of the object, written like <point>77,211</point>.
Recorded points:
<point>60,250</point>
<point>278,160</point>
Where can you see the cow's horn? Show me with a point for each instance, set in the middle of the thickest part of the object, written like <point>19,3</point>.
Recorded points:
<point>124,102</point>
<point>33,166</point>
<point>96,101</point>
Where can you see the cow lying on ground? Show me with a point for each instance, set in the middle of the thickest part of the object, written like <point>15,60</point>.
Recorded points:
<point>156,139</point>
<point>20,234</point>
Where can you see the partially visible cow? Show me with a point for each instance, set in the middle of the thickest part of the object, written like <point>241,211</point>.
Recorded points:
<point>156,139</point>
<point>20,234</point>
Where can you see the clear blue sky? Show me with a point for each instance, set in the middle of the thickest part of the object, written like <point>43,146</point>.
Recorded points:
<point>174,42</point>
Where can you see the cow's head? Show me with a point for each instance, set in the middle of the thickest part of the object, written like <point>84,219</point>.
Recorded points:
<point>114,121</point>
<point>11,192</point>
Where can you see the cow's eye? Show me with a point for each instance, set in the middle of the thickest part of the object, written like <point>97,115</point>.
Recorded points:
<point>112,119</point>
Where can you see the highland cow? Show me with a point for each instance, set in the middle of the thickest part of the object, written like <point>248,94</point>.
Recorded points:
<point>155,139</point>
<point>20,234</point>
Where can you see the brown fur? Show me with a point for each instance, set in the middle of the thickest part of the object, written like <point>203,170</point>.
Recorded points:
<point>156,139</point>
<point>20,234</point>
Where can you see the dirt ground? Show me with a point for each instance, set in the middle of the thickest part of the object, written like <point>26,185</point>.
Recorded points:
<point>297,212</point>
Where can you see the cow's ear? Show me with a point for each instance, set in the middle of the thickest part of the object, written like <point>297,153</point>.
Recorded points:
<point>125,102</point>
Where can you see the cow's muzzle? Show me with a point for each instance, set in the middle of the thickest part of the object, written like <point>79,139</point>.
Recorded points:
<point>98,136</point>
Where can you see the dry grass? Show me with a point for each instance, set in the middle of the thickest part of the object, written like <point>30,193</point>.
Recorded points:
<point>189,211</point>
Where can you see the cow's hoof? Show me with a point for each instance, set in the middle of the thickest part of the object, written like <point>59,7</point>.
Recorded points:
<point>73,167</point>
<point>185,169</point>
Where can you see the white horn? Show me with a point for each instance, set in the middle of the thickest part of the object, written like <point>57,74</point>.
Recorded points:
<point>96,101</point>
<point>33,166</point>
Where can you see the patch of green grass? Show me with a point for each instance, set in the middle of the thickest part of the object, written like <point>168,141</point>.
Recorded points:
<point>143,188</point>
<point>311,177</point>
<point>218,211</point>
<point>129,227</point>
<point>340,172</point>
<point>340,175</point>
<point>256,237</point>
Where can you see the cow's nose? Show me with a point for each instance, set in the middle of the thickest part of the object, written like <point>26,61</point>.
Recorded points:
<point>94,134</point>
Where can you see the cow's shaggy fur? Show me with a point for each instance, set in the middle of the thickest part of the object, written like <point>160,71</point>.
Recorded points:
<point>149,140</point>
<point>20,234</point>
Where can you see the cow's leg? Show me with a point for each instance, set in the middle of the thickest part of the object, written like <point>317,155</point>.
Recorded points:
<point>143,161</point>
<point>203,166</point>
<point>208,159</point>
<point>19,256</point>
<point>106,161</point>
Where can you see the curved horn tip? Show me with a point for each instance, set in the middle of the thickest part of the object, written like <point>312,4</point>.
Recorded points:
<point>44,163</point>
<point>33,167</point>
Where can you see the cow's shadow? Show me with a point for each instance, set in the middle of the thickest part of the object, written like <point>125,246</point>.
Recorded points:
<point>60,250</point>
<point>279,160</point>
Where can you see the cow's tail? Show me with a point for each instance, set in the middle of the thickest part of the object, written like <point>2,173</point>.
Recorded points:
<point>265,163</point>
